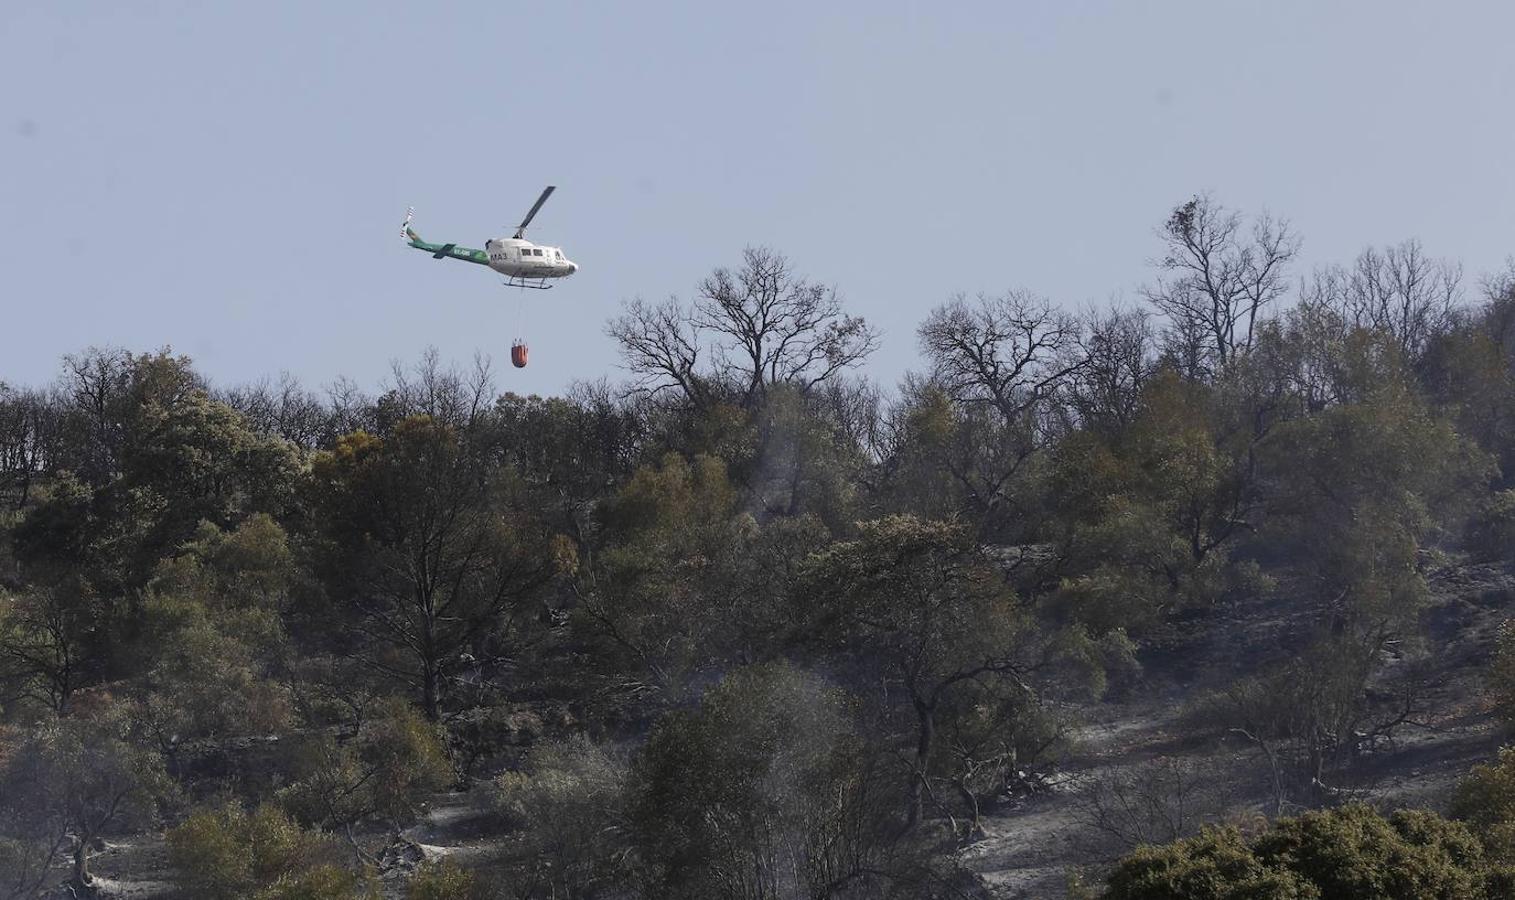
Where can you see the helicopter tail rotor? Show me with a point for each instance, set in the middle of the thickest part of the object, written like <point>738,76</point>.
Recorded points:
<point>405,230</point>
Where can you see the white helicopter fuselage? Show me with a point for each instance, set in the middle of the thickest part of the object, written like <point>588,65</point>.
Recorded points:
<point>520,258</point>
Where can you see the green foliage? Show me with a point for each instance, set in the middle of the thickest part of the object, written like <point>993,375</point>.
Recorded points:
<point>916,603</point>
<point>569,806</point>
<point>1360,486</point>
<point>78,776</point>
<point>210,635</point>
<point>1485,799</point>
<point>806,461</point>
<point>1500,677</point>
<point>166,457</point>
<point>685,580</point>
<point>446,881</point>
<point>249,567</point>
<point>386,771</point>
<point>50,646</point>
<point>674,495</point>
<point>1216,865</point>
<point>328,882</point>
<point>951,459</point>
<point>228,853</point>
<point>429,551</point>
<point>1049,498</point>
<point>208,682</point>
<point>1149,515</point>
<point>1351,852</point>
<point>1492,531</point>
<point>765,790</point>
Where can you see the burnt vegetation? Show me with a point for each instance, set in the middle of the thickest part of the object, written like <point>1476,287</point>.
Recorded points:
<point>747,624</point>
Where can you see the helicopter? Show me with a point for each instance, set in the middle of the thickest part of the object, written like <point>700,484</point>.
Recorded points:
<point>524,264</point>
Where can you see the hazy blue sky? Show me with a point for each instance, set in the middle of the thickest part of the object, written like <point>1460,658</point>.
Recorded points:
<point>228,178</point>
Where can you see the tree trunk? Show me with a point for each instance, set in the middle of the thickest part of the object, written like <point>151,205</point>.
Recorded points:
<point>925,739</point>
<point>82,878</point>
<point>430,689</point>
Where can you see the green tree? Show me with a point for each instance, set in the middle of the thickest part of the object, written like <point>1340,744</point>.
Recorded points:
<point>1360,487</point>
<point>429,549</point>
<point>919,606</point>
<point>767,790</point>
<point>385,772</point>
<point>70,779</point>
<point>158,457</point>
<point>569,803</point>
<point>48,649</point>
<point>1147,517</point>
<point>684,580</point>
<point>212,645</point>
<point>1485,799</point>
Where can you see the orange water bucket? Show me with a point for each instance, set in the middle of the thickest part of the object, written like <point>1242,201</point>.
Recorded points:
<point>518,354</point>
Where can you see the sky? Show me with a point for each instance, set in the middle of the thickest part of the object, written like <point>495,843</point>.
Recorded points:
<point>228,178</point>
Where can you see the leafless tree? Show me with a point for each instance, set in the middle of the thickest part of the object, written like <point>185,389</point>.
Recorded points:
<point>286,409</point>
<point>1117,354</point>
<point>448,394</point>
<point>775,327</point>
<point>1009,352</point>
<point>1216,278</point>
<point>351,408</point>
<point>28,428</point>
<point>989,404</point>
<point>1499,309</point>
<point>1153,802</point>
<point>93,390</point>
<point>661,347</point>
<point>759,326</point>
<point>1398,291</point>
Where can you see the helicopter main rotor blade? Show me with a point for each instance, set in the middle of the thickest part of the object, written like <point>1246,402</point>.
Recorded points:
<point>536,206</point>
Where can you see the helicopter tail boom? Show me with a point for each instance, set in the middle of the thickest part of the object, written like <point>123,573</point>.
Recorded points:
<point>440,251</point>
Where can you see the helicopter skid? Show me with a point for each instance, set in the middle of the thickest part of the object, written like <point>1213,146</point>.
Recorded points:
<point>538,285</point>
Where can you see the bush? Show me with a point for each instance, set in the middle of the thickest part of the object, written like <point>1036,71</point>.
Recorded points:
<point>569,805</point>
<point>1491,534</point>
<point>1486,801</point>
<point>325,882</point>
<point>232,853</point>
<point>1341,854</point>
<point>1501,675</point>
<point>446,881</point>
<point>770,782</point>
<point>385,772</point>
<point>1216,865</point>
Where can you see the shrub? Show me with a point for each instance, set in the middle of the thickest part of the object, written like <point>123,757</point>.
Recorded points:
<point>386,771</point>
<point>446,881</point>
<point>1486,801</point>
<point>1501,675</point>
<point>232,853</point>
<point>1491,534</point>
<point>569,805</point>
<point>1342,854</point>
